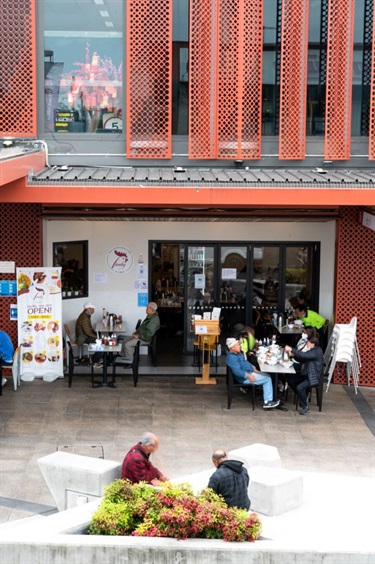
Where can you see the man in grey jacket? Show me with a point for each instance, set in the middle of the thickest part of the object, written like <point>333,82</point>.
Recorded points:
<point>230,480</point>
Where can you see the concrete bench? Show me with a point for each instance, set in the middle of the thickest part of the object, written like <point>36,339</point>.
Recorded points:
<point>74,479</point>
<point>274,491</point>
<point>257,454</point>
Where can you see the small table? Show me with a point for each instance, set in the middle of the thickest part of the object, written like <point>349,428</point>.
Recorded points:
<point>294,333</point>
<point>274,370</point>
<point>115,328</point>
<point>106,350</point>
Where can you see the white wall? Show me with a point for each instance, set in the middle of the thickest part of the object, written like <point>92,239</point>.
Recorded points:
<point>119,296</point>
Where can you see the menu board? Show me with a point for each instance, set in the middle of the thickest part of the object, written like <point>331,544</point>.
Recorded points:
<point>39,323</point>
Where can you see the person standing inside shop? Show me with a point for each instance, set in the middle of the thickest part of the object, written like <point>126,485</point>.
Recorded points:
<point>85,332</point>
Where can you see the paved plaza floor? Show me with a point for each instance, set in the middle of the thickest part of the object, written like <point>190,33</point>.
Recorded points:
<point>191,421</point>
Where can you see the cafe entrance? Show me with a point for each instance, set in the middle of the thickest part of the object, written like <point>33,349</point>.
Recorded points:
<point>247,281</point>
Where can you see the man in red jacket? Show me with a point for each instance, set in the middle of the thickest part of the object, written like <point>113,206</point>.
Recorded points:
<point>137,467</point>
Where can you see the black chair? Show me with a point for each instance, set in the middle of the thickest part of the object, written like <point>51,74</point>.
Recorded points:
<point>319,393</point>
<point>232,384</point>
<point>73,361</point>
<point>151,346</point>
<point>120,361</point>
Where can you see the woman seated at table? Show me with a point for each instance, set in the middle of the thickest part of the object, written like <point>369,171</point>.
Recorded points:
<point>301,347</point>
<point>312,362</point>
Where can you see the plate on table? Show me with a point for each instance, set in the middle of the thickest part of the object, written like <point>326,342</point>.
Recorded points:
<point>272,361</point>
<point>263,350</point>
<point>286,363</point>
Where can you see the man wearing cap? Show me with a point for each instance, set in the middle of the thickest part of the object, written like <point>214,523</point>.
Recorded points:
<point>245,373</point>
<point>85,332</point>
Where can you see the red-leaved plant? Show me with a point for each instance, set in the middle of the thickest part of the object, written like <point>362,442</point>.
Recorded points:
<point>171,511</point>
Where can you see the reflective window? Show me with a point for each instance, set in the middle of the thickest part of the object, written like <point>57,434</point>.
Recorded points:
<point>83,66</point>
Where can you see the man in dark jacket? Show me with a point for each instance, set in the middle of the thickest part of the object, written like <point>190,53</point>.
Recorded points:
<point>230,480</point>
<point>312,367</point>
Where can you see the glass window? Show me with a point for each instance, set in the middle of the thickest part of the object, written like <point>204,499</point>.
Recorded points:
<point>72,256</point>
<point>83,66</point>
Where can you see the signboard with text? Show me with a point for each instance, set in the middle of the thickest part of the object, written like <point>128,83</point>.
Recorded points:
<point>39,323</point>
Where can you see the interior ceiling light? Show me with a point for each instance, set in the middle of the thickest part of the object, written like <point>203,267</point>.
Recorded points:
<point>104,13</point>
<point>98,2</point>
<point>109,24</point>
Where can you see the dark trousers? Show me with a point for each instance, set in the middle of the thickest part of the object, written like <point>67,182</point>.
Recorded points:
<point>300,385</point>
<point>96,356</point>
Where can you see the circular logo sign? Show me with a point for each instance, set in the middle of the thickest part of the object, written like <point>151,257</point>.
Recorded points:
<point>119,260</point>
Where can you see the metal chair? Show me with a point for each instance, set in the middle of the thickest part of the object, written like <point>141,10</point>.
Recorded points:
<point>318,389</point>
<point>120,361</point>
<point>74,344</point>
<point>232,384</point>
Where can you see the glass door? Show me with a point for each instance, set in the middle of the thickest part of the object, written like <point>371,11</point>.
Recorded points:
<point>233,285</point>
<point>266,286</point>
<point>199,278</point>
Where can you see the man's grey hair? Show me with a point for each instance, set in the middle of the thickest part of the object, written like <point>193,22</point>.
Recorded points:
<point>148,439</point>
<point>153,305</point>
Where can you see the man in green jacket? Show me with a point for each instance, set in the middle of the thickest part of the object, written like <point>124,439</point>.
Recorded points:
<point>144,333</point>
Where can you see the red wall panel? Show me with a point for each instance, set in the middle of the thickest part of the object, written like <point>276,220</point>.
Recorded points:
<point>17,69</point>
<point>225,95</point>
<point>338,115</point>
<point>356,288</point>
<point>371,151</point>
<point>149,78</point>
<point>293,79</point>
<point>20,241</point>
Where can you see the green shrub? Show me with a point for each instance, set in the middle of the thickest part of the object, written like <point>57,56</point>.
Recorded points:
<point>171,511</point>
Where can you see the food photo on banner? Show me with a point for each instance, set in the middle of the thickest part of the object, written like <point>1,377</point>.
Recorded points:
<point>39,323</point>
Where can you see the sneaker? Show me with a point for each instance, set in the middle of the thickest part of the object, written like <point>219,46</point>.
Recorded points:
<point>304,410</point>
<point>98,365</point>
<point>271,404</point>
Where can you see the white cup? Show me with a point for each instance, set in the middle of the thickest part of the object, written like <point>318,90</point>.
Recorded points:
<point>98,342</point>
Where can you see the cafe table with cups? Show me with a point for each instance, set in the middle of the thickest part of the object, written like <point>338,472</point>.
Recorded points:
<point>275,361</point>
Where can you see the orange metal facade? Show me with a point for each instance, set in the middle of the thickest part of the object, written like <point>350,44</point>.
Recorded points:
<point>225,79</point>
<point>17,69</point>
<point>339,79</point>
<point>371,150</point>
<point>293,79</point>
<point>356,289</point>
<point>149,79</point>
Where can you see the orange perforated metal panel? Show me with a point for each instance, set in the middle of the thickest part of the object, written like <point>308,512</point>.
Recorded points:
<point>356,288</point>
<point>21,242</point>
<point>371,150</point>
<point>339,79</point>
<point>202,79</point>
<point>17,69</point>
<point>149,79</point>
<point>225,77</point>
<point>293,79</point>
<point>239,94</point>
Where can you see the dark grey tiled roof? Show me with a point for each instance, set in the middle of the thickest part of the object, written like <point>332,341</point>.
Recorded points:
<point>218,177</point>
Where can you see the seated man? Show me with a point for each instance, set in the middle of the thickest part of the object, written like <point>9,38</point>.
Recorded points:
<point>137,467</point>
<point>85,332</point>
<point>144,333</point>
<point>246,374</point>
<point>230,480</point>
<point>312,366</point>
<point>6,351</point>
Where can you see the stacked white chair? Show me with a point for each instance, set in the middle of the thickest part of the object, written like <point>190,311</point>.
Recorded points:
<point>343,347</point>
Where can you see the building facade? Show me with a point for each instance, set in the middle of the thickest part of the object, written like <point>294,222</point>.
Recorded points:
<point>236,126</point>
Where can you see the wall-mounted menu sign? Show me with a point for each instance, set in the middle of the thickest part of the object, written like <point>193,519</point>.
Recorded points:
<point>8,288</point>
